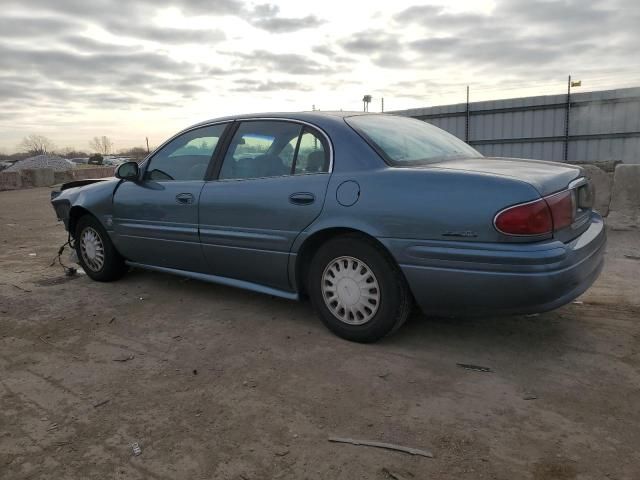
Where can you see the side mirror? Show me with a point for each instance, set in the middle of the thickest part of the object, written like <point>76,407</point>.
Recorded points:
<point>128,171</point>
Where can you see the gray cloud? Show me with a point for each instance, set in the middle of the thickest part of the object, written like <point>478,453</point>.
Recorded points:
<point>98,79</point>
<point>128,9</point>
<point>207,7</point>
<point>223,72</point>
<point>164,34</point>
<point>391,60</point>
<point>266,16</point>
<point>436,43</point>
<point>559,12</point>
<point>323,50</point>
<point>21,93</point>
<point>248,85</point>
<point>418,14</point>
<point>370,42</point>
<point>89,45</point>
<point>123,18</point>
<point>65,64</point>
<point>288,63</point>
<point>30,27</point>
<point>546,36</point>
<point>285,25</point>
<point>519,39</point>
<point>130,18</point>
<point>382,48</point>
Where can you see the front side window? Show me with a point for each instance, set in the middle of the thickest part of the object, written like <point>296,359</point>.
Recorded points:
<point>186,157</point>
<point>406,141</point>
<point>271,148</point>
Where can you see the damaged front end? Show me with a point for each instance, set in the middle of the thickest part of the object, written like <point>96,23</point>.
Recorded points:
<point>74,184</point>
<point>63,198</point>
<point>62,207</point>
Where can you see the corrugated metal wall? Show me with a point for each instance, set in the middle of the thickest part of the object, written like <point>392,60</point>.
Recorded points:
<point>603,125</point>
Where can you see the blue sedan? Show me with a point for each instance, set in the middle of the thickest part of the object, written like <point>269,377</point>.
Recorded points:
<point>365,214</point>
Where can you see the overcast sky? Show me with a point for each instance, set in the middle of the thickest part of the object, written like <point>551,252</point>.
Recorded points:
<point>73,69</point>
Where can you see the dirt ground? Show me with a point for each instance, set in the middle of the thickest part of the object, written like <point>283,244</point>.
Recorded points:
<point>218,383</point>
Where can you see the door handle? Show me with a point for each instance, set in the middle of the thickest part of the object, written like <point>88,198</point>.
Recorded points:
<point>184,198</point>
<point>302,198</point>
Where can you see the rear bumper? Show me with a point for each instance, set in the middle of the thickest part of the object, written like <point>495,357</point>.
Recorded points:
<point>465,278</point>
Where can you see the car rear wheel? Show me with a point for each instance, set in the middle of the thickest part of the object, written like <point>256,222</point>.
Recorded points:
<point>357,289</point>
<point>96,254</point>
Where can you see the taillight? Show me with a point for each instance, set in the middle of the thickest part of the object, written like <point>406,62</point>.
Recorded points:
<point>533,218</point>
<point>586,196</point>
<point>538,217</point>
<point>563,208</point>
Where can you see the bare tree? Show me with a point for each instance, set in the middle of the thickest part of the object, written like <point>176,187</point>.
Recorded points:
<point>137,154</point>
<point>102,145</point>
<point>71,152</point>
<point>36,145</point>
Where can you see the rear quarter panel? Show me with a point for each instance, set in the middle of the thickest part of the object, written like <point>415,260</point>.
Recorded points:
<point>426,204</point>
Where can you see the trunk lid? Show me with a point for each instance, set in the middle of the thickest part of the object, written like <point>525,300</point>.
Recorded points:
<point>545,177</point>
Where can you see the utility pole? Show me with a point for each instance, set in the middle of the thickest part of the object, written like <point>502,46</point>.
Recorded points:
<point>466,123</point>
<point>382,102</point>
<point>565,154</point>
<point>147,139</point>
<point>568,116</point>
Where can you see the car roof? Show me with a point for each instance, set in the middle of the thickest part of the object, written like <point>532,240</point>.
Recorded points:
<point>319,118</point>
<point>293,115</point>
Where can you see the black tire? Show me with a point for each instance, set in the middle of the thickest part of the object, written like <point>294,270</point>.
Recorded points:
<point>113,266</point>
<point>395,301</point>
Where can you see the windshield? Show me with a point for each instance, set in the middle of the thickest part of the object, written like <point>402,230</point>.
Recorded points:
<point>406,141</point>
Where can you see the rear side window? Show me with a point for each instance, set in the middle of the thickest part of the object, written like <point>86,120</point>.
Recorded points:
<point>312,157</point>
<point>405,141</point>
<point>185,157</point>
<point>271,148</point>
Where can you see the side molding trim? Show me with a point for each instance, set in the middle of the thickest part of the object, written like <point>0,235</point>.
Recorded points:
<point>231,282</point>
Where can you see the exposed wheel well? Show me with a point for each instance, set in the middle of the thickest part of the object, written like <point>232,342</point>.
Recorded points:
<point>74,215</point>
<point>313,243</point>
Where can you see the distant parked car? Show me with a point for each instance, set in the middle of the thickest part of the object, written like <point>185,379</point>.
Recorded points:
<point>96,159</point>
<point>80,160</point>
<point>363,213</point>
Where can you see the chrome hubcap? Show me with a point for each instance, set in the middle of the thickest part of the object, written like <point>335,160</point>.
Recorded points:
<point>92,249</point>
<point>350,290</point>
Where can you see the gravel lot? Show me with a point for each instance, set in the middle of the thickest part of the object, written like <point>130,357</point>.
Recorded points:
<point>214,382</point>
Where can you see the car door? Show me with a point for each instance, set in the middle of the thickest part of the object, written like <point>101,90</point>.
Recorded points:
<point>155,220</point>
<point>270,186</point>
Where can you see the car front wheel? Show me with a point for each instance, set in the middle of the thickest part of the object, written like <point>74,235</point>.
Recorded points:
<point>357,289</point>
<point>96,254</point>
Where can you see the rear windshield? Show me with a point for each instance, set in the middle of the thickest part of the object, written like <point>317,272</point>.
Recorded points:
<point>406,141</point>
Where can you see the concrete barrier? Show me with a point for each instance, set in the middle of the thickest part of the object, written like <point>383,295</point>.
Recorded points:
<point>624,210</point>
<point>37,177</point>
<point>10,180</point>
<point>601,180</point>
<point>46,177</point>
<point>94,172</point>
<point>62,177</point>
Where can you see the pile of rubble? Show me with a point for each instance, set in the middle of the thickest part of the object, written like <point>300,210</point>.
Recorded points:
<point>57,164</point>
